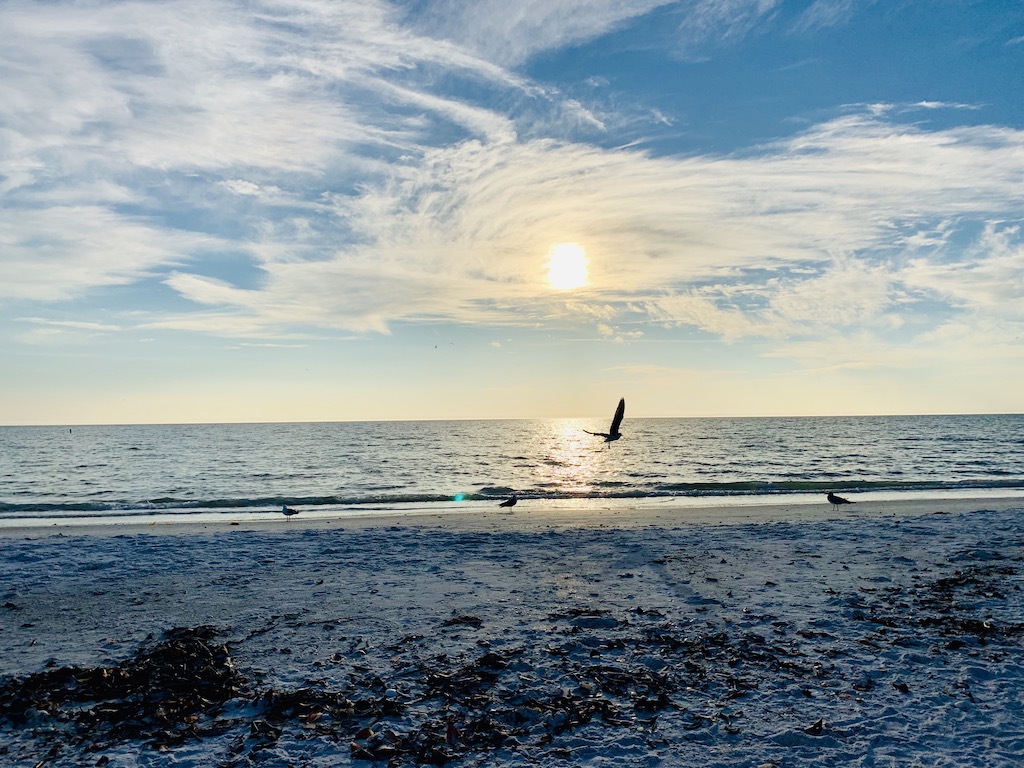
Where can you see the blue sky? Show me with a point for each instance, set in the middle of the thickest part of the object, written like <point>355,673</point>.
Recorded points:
<point>320,210</point>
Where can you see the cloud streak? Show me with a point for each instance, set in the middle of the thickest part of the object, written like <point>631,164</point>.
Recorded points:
<point>828,224</point>
<point>372,168</point>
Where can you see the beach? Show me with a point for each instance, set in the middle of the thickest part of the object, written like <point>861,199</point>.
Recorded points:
<point>885,633</point>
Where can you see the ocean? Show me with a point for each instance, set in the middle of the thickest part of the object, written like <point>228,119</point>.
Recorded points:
<point>110,473</point>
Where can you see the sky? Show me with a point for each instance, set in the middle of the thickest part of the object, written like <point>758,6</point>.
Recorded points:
<point>313,210</point>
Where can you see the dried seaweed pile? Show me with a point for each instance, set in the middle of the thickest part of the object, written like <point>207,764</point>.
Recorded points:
<point>161,695</point>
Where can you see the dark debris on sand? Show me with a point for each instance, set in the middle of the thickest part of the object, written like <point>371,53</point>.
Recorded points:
<point>426,709</point>
<point>161,696</point>
<point>405,704</point>
<point>944,605</point>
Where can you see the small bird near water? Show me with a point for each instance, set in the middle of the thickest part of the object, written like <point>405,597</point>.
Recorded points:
<point>613,431</point>
<point>288,511</point>
<point>509,502</point>
<point>835,501</point>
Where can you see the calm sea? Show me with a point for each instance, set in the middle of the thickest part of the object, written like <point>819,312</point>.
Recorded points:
<point>117,472</point>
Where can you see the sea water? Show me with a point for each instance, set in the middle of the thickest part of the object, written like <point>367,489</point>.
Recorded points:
<point>120,472</point>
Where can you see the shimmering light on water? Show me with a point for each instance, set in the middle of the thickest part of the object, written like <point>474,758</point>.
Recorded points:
<point>219,469</point>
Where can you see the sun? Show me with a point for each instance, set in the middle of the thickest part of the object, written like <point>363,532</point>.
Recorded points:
<point>567,267</point>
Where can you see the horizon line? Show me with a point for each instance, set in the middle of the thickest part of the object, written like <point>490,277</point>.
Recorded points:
<point>71,425</point>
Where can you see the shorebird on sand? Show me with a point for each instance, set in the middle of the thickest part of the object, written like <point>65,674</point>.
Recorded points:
<point>509,502</point>
<point>613,431</point>
<point>835,501</point>
<point>288,511</point>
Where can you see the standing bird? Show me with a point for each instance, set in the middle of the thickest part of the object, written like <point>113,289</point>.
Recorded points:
<point>288,511</point>
<point>509,502</point>
<point>835,501</point>
<point>613,431</point>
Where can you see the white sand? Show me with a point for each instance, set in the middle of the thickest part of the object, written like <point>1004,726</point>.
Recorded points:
<point>897,625</point>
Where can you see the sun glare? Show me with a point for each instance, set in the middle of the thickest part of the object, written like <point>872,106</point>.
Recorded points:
<point>567,267</point>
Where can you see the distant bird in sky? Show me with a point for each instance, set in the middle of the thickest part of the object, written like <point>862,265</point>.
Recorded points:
<point>835,501</point>
<point>288,511</point>
<point>509,502</point>
<point>613,431</point>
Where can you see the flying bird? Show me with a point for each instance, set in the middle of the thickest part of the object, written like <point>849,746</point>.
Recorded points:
<point>835,501</point>
<point>288,511</point>
<point>509,502</point>
<point>613,431</point>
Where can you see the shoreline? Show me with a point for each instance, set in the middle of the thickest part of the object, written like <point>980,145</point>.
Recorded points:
<point>527,517</point>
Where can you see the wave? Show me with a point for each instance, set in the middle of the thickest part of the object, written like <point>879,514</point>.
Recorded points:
<point>167,504</point>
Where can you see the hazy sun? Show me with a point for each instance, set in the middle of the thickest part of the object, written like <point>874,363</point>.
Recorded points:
<point>567,266</point>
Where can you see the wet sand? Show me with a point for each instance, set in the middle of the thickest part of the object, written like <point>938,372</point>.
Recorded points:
<point>532,515</point>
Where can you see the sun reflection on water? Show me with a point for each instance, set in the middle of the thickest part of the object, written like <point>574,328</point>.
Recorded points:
<point>571,458</point>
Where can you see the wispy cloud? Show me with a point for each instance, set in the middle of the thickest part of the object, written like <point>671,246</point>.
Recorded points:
<point>371,167</point>
<point>44,332</point>
<point>509,34</point>
<point>54,252</point>
<point>80,325</point>
<point>988,277</point>
<point>724,19</point>
<point>824,14</point>
<point>120,117</point>
<point>817,227</point>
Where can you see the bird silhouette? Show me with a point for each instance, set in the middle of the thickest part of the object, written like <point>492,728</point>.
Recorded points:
<point>288,511</point>
<point>613,431</point>
<point>509,502</point>
<point>835,501</point>
<point>452,733</point>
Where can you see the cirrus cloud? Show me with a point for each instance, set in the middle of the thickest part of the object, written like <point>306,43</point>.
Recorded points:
<point>285,169</point>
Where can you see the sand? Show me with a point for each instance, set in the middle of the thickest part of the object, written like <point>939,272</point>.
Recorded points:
<point>883,634</point>
<point>530,515</point>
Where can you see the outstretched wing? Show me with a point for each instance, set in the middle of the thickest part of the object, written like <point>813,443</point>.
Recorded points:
<point>619,413</point>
